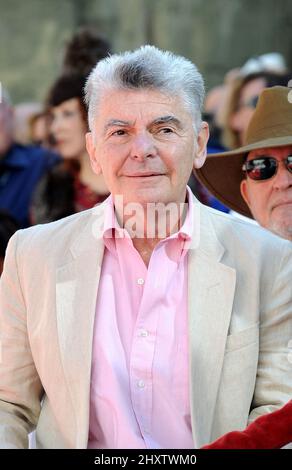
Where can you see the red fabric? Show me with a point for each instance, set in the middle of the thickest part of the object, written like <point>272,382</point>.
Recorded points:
<point>271,431</point>
<point>86,198</point>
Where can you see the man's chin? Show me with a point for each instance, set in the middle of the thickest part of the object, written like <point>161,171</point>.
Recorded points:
<point>145,195</point>
<point>282,228</point>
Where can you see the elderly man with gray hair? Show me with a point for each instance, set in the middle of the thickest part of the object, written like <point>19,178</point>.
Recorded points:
<point>149,321</point>
<point>255,180</point>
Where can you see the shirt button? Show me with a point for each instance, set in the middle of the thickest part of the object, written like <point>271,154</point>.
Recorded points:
<point>143,333</point>
<point>141,384</point>
<point>140,281</point>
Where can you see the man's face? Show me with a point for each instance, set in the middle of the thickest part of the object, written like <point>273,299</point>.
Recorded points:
<point>6,128</point>
<point>145,145</point>
<point>270,201</point>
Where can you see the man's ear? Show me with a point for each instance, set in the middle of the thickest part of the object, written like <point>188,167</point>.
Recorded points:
<point>90,147</point>
<point>201,147</point>
<point>244,192</point>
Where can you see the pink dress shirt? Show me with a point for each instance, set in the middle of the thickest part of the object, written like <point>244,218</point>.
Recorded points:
<point>139,395</point>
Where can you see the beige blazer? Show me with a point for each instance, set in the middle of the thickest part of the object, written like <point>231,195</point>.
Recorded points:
<point>240,325</point>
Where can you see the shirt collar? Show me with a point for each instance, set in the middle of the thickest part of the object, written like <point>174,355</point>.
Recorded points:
<point>111,225</point>
<point>186,230</point>
<point>112,228</point>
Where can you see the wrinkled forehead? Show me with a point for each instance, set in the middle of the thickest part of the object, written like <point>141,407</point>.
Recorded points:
<point>277,152</point>
<point>118,96</point>
<point>130,105</point>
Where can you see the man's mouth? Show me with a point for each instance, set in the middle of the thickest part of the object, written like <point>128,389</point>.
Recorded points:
<point>144,175</point>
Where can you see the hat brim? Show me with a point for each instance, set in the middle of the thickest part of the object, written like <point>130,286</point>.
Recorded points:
<point>222,173</point>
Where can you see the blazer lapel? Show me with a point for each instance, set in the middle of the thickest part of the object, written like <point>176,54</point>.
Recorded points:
<point>76,292</point>
<point>211,292</point>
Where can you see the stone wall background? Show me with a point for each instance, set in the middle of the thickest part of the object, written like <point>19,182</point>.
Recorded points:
<point>216,34</point>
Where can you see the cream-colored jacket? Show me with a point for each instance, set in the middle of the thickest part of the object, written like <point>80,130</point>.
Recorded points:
<point>240,326</point>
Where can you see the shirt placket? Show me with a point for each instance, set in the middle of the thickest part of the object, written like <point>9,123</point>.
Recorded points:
<point>142,355</point>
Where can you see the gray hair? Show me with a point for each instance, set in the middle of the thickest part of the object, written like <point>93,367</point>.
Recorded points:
<point>147,68</point>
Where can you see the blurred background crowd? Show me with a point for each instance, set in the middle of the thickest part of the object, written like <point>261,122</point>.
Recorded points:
<point>47,50</point>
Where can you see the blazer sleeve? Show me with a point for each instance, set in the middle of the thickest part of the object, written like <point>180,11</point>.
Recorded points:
<point>273,386</point>
<point>20,387</point>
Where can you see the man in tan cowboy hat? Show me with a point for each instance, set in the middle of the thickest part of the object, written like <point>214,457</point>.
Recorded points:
<point>256,179</point>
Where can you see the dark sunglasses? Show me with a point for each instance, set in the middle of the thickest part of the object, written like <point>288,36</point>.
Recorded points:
<point>264,167</point>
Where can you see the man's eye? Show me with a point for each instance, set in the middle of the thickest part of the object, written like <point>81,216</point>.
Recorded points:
<point>166,130</point>
<point>119,132</point>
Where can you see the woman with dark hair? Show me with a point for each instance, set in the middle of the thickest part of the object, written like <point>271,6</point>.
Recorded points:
<point>84,49</point>
<point>71,186</point>
<point>241,102</point>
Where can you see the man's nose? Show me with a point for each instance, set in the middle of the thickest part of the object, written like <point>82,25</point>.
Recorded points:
<point>143,146</point>
<point>283,178</point>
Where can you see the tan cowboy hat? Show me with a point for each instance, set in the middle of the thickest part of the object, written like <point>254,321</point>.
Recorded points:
<point>270,126</point>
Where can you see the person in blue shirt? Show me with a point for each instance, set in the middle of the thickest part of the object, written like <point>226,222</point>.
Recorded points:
<point>21,168</point>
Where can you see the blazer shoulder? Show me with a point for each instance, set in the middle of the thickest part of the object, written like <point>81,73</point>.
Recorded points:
<point>55,238</point>
<point>232,230</point>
